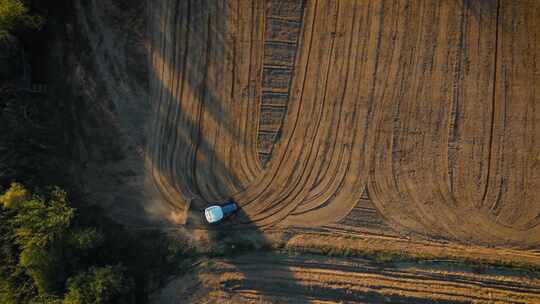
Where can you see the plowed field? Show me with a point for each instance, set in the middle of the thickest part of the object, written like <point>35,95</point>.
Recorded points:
<point>393,117</point>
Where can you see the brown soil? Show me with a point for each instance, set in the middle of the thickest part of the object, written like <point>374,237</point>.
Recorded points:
<point>394,130</point>
<point>274,278</point>
<point>345,127</point>
<point>412,124</point>
<point>301,110</point>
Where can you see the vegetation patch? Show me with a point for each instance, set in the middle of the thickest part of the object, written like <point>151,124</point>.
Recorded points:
<point>55,253</point>
<point>387,253</point>
<point>13,14</point>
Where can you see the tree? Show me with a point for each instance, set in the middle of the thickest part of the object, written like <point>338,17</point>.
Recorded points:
<point>99,286</point>
<point>14,13</point>
<point>15,195</point>
<point>45,267</point>
<point>15,284</point>
<point>39,221</point>
<point>37,224</point>
<point>48,254</point>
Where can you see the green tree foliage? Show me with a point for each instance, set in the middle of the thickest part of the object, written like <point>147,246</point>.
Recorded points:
<point>15,195</point>
<point>85,240</point>
<point>16,286</point>
<point>14,13</point>
<point>45,267</point>
<point>37,223</point>
<point>50,254</point>
<point>10,12</point>
<point>99,286</point>
<point>40,221</point>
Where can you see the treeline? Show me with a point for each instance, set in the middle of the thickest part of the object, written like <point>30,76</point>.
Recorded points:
<point>55,247</point>
<point>52,252</point>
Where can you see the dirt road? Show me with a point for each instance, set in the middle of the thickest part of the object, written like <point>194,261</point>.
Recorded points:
<point>275,278</point>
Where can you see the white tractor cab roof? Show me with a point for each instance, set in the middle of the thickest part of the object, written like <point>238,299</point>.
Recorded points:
<point>213,214</point>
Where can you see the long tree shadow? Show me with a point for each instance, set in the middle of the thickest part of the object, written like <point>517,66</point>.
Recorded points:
<point>183,71</point>
<point>190,47</point>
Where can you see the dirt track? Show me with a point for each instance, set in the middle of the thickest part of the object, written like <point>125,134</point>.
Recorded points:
<point>274,278</point>
<point>424,110</point>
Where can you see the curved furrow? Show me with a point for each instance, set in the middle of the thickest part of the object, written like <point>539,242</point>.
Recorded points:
<point>359,91</point>
<point>199,149</point>
<point>433,105</point>
<point>510,206</point>
<point>338,136</point>
<point>481,223</point>
<point>185,121</point>
<point>342,184</point>
<point>384,186</point>
<point>412,109</point>
<point>435,138</point>
<point>517,129</point>
<point>418,140</point>
<point>473,84</point>
<point>247,65</point>
<point>159,87</point>
<point>214,122</point>
<point>290,192</point>
<point>327,95</point>
<point>285,170</point>
<point>333,110</point>
<point>423,113</point>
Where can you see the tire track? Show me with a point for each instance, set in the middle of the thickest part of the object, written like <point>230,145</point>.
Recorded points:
<point>313,278</point>
<point>197,151</point>
<point>432,105</point>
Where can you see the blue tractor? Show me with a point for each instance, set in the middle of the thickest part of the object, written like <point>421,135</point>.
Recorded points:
<point>216,213</point>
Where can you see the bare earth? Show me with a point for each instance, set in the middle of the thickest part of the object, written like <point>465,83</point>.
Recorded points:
<point>411,120</point>
<point>273,278</point>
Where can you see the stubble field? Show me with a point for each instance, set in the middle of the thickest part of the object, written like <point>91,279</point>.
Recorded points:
<point>407,119</point>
